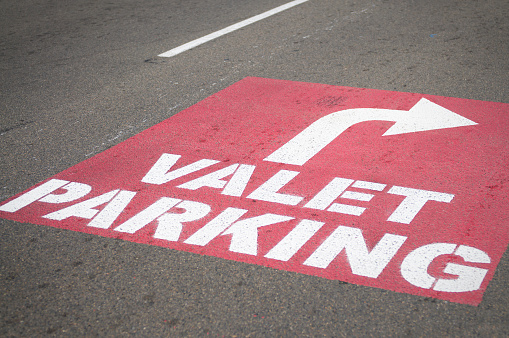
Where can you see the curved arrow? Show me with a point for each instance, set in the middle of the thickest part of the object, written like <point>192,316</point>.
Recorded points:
<point>424,115</point>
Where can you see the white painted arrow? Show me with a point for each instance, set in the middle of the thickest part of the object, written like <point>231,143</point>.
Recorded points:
<point>425,115</point>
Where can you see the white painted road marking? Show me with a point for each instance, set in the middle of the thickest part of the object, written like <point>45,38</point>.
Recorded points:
<point>425,115</point>
<point>229,29</point>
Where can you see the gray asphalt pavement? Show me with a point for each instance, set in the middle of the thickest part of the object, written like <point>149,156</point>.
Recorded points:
<point>77,78</point>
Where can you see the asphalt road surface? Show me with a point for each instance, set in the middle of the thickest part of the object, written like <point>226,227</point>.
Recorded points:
<point>79,77</point>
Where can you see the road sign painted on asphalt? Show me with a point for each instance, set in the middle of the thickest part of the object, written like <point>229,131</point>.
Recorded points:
<point>401,191</point>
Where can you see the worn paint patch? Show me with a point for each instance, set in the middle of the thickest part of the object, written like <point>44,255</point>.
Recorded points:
<point>401,191</point>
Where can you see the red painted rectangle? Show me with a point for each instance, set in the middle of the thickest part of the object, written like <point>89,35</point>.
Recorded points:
<point>300,177</point>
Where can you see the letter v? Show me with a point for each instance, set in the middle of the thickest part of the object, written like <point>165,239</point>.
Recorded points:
<point>160,174</point>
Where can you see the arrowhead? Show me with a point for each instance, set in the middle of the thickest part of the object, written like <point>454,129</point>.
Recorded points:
<point>426,115</point>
